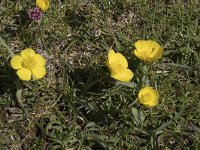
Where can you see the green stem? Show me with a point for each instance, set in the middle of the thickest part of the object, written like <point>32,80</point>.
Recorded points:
<point>88,86</point>
<point>40,32</point>
<point>145,72</point>
<point>6,46</point>
<point>19,96</point>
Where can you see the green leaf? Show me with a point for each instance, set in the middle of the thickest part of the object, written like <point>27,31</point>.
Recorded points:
<point>2,147</point>
<point>128,84</point>
<point>138,116</point>
<point>2,42</point>
<point>90,124</point>
<point>166,124</point>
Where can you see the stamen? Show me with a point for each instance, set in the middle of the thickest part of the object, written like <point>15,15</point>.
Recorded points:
<point>29,62</point>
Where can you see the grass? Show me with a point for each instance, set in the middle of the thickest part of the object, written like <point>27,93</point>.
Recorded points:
<point>77,105</point>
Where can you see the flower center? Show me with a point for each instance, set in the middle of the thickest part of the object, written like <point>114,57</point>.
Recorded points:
<point>146,97</point>
<point>29,62</point>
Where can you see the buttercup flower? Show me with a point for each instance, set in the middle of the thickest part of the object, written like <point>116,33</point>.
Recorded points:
<point>42,4</point>
<point>28,64</point>
<point>34,14</point>
<point>118,65</point>
<point>148,50</point>
<point>148,96</point>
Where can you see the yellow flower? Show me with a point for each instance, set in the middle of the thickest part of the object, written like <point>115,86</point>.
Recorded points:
<point>148,96</point>
<point>148,50</point>
<point>28,64</point>
<point>42,4</point>
<point>118,65</point>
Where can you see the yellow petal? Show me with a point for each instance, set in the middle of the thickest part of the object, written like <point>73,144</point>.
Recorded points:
<point>125,75</point>
<point>24,74</point>
<point>39,60</point>
<point>39,72</point>
<point>157,53</point>
<point>42,4</point>
<point>149,45</point>
<point>117,59</point>
<point>138,45</point>
<point>111,56</point>
<point>148,96</point>
<point>142,50</point>
<point>27,52</point>
<point>148,50</point>
<point>16,62</point>
<point>143,46</point>
<point>120,59</point>
<point>139,55</point>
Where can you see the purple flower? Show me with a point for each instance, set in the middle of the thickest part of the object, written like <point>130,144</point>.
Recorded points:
<point>34,14</point>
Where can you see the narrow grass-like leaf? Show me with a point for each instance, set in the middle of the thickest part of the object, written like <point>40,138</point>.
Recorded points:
<point>6,46</point>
